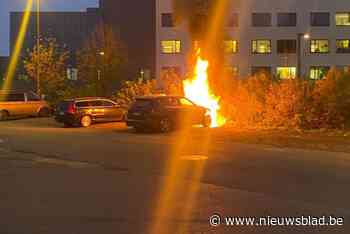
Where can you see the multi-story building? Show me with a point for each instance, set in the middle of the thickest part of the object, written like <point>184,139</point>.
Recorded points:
<point>265,35</point>
<point>3,66</point>
<point>135,21</point>
<point>70,29</point>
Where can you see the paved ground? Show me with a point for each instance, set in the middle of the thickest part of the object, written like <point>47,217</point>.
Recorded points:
<point>108,179</point>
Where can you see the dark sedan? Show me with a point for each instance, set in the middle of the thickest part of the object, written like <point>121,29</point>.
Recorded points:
<point>86,111</point>
<point>165,113</point>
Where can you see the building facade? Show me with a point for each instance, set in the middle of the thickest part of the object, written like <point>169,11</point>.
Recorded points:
<point>135,22</point>
<point>70,29</point>
<point>264,35</point>
<point>3,65</point>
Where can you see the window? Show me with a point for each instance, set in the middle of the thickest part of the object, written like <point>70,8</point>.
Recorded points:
<point>287,19</point>
<point>286,46</point>
<point>286,72</point>
<point>342,19</point>
<point>167,20</point>
<point>83,104</point>
<point>186,102</point>
<point>96,103</point>
<point>318,72</point>
<point>261,46</point>
<point>32,97</point>
<point>16,97</point>
<point>344,68</point>
<point>261,19</point>
<point>343,46</point>
<point>320,19</point>
<point>230,46</point>
<point>233,20</point>
<point>258,70</point>
<point>232,71</point>
<point>108,104</point>
<point>171,46</point>
<point>319,46</point>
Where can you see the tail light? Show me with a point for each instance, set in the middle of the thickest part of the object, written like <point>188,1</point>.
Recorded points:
<point>71,108</point>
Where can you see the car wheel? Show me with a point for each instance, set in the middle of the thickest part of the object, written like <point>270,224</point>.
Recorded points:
<point>165,125</point>
<point>44,112</point>
<point>86,121</point>
<point>4,115</point>
<point>206,121</point>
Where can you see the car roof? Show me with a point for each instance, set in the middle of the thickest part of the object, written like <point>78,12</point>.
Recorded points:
<point>86,99</point>
<point>151,97</point>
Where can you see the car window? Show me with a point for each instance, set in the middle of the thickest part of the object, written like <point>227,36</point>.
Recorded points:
<point>96,103</point>
<point>143,103</point>
<point>107,103</point>
<point>83,104</point>
<point>16,97</point>
<point>32,97</point>
<point>186,102</point>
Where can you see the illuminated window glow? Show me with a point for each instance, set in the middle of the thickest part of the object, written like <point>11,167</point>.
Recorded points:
<point>319,46</point>
<point>171,46</point>
<point>232,71</point>
<point>343,46</point>
<point>286,72</point>
<point>261,46</point>
<point>230,46</point>
<point>342,19</point>
<point>318,72</point>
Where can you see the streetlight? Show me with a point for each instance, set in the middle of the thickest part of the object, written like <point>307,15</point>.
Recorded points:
<point>101,54</point>
<point>37,46</point>
<point>306,36</point>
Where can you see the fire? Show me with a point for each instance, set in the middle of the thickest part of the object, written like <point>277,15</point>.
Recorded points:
<point>198,91</point>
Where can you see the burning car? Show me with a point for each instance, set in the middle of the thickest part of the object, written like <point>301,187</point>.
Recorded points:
<point>165,113</point>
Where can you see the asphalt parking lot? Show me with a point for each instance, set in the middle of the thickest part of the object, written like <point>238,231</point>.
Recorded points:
<point>109,179</point>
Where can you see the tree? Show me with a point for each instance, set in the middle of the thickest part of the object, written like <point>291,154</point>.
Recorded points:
<point>100,60</point>
<point>49,61</point>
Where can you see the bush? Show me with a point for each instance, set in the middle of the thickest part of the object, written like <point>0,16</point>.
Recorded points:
<point>131,89</point>
<point>261,101</point>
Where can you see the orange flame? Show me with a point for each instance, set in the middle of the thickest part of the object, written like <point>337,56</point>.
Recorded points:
<point>198,91</point>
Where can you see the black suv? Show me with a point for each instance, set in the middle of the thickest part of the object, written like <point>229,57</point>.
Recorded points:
<point>164,113</point>
<point>85,111</point>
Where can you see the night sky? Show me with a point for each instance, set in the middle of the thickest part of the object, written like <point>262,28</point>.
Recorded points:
<point>48,5</point>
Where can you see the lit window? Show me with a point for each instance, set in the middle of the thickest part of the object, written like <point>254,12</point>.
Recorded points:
<point>286,72</point>
<point>319,72</point>
<point>342,19</point>
<point>343,46</point>
<point>230,46</point>
<point>232,71</point>
<point>319,46</point>
<point>171,47</point>
<point>261,46</point>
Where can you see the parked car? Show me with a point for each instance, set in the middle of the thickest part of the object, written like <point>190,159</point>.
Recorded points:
<point>86,111</point>
<point>165,113</point>
<point>21,104</point>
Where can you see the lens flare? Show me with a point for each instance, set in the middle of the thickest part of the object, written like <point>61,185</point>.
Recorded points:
<point>197,90</point>
<point>18,47</point>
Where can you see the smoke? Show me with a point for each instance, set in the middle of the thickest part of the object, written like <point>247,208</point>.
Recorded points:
<point>195,14</point>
